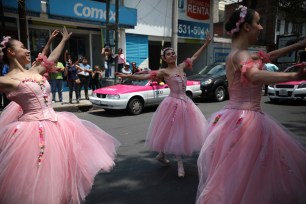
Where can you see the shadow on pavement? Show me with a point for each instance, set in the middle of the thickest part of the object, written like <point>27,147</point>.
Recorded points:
<point>140,179</point>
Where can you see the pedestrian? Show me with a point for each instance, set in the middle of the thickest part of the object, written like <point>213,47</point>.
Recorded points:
<point>45,157</point>
<point>96,78</point>
<point>56,79</point>
<point>126,69</point>
<point>120,59</point>
<point>272,68</point>
<point>107,56</point>
<point>247,157</point>
<point>135,69</point>
<point>72,79</point>
<point>178,126</point>
<point>84,75</point>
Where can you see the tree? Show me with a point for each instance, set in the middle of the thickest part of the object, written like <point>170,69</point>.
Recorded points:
<point>293,10</point>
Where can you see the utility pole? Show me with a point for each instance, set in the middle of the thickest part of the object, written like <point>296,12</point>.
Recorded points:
<point>116,36</point>
<point>107,21</point>
<point>23,22</point>
<point>174,25</point>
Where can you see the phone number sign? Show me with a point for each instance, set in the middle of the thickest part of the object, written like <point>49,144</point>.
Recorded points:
<point>191,29</point>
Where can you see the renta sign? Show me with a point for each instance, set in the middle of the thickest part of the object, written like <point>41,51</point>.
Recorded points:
<point>92,11</point>
<point>198,9</point>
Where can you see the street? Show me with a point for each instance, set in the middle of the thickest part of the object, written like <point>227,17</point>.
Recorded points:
<point>138,178</point>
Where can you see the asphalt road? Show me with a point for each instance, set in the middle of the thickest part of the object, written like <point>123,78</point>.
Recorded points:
<point>138,178</point>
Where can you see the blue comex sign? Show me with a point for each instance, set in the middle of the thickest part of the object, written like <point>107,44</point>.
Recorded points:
<point>31,5</point>
<point>92,11</point>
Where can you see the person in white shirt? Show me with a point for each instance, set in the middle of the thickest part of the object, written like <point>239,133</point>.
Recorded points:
<point>84,76</point>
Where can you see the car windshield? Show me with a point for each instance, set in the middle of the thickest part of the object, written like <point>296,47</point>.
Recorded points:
<point>213,69</point>
<point>134,82</point>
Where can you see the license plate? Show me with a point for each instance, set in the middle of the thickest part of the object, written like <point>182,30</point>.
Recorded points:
<point>283,92</point>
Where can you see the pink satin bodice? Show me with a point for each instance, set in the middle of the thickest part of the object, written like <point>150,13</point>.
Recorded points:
<point>177,85</point>
<point>34,100</point>
<point>246,96</point>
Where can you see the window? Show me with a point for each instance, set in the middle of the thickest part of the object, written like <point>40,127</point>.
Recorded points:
<point>286,27</point>
<point>278,25</point>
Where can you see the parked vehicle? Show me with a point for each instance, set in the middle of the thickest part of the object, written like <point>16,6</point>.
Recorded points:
<point>134,95</point>
<point>293,90</point>
<point>213,81</point>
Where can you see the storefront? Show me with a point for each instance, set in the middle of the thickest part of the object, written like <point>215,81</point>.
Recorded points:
<point>86,19</point>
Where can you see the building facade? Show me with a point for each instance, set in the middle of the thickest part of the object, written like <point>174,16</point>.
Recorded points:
<point>85,18</point>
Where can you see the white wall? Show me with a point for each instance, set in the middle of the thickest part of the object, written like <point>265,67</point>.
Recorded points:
<point>153,17</point>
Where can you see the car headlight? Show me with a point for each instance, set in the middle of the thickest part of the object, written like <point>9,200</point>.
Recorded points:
<point>301,86</point>
<point>113,96</point>
<point>206,82</point>
<point>271,85</point>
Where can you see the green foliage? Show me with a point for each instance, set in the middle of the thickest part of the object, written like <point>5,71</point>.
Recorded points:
<point>293,10</point>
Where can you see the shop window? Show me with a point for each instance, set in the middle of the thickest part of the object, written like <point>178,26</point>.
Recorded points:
<point>38,39</point>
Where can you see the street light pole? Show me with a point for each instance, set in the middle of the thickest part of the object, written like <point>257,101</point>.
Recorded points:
<point>116,37</point>
<point>174,25</point>
<point>107,22</point>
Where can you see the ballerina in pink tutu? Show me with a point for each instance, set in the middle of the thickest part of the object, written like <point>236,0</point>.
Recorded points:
<point>45,157</point>
<point>247,157</point>
<point>178,125</point>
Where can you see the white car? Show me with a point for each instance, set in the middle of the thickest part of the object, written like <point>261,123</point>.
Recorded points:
<point>288,90</point>
<point>134,95</point>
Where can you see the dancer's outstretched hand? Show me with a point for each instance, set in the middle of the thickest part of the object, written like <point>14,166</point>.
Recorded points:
<point>118,74</point>
<point>66,35</point>
<point>301,75</point>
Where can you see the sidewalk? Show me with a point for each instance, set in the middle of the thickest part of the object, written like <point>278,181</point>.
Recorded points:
<point>84,104</point>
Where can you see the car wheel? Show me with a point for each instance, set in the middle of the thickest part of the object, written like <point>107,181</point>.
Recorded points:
<point>219,93</point>
<point>135,106</point>
<point>274,100</point>
<point>189,94</point>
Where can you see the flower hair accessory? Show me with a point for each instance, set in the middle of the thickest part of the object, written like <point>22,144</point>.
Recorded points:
<point>243,12</point>
<point>5,41</point>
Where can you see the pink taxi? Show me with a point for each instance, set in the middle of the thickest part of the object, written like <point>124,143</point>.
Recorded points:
<point>134,95</point>
<point>288,90</point>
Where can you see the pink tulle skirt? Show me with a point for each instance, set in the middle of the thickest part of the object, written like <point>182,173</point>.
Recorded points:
<point>177,127</point>
<point>75,151</point>
<point>248,158</point>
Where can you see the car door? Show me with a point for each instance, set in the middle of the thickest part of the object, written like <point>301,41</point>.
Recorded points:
<point>158,93</point>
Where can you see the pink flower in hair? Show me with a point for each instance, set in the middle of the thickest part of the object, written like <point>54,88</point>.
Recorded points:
<point>5,41</point>
<point>242,15</point>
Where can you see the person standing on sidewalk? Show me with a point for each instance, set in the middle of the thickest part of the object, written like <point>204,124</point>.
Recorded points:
<point>84,76</point>
<point>72,79</point>
<point>178,126</point>
<point>108,59</point>
<point>120,59</point>
<point>56,80</point>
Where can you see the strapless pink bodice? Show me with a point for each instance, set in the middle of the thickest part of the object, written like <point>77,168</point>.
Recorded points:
<point>245,96</point>
<point>33,98</point>
<point>177,85</point>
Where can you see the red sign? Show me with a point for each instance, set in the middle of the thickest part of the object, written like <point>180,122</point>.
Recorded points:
<point>198,9</point>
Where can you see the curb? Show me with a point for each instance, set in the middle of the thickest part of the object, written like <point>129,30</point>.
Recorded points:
<point>84,105</point>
